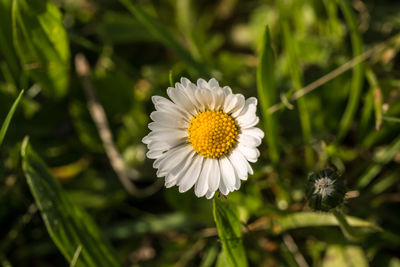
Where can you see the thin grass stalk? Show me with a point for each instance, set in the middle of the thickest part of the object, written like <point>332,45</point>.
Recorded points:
<point>358,71</point>
<point>9,116</point>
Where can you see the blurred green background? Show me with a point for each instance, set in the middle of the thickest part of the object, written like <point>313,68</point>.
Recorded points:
<point>133,49</point>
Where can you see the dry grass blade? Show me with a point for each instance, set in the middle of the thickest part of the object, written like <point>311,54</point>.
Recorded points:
<point>336,72</point>
<point>99,116</point>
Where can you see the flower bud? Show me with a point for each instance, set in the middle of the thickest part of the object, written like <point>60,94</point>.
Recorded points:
<point>325,190</point>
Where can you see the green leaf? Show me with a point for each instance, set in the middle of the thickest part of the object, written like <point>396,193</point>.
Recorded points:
<point>41,44</point>
<point>68,225</point>
<point>297,220</point>
<point>230,232</point>
<point>314,219</point>
<point>267,93</point>
<point>164,36</point>
<point>10,114</point>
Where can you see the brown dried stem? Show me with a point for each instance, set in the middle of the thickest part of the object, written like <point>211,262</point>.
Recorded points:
<point>99,117</point>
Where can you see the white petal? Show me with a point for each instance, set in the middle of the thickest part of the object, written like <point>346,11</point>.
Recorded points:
<point>190,92</point>
<point>249,169</point>
<point>244,161</point>
<point>192,174</point>
<point>181,99</point>
<point>172,160</point>
<point>167,120</point>
<point>154,154</point>
<point>167,135</point>
<point>173,110</point>
<point>222,188</point>
<point>227,173</point>
<point>182,166</point>
<point>230,103</point>
<point>156,98</point>
<point>173,157</point>
<point>239,163</point>
<point>215,176</point>
<point>185,81</point>
<point>146,140</point>
<point>201,187</point>
<point>213,83</point>
<point>227,90</point>
<point>210,194</point>
<point>202,84</point>
<point>205,98</point>
<point>157,127</point>
<point>239,105</point>
<point>236,186</point>
<point>179,170</point>
<point>249,140</point>
<point>237,183</point>
<point>219,98</point>
<point>254,131</point>
<point>159,146</point>
<point>251,154</point>
<point>170,184</point>
<point>250,123</point>
<point>247,115</point>
<point>251,101</point>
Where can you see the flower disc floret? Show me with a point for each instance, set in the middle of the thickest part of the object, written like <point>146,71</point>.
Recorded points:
<point>212,133</point>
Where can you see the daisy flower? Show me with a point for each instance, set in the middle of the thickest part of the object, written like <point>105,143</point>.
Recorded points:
<point>205,137</point>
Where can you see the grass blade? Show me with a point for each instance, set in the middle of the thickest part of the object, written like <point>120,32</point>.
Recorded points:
<point>164,36</point>
<point>392,119</point>
<point>377,97</point>
<point>384,157</point>
<point>267,93</point>
<point>296,75</point>
<point>10,114</point>
<point>68,225</point>
<point>358,70</point>
<point>230,233</point>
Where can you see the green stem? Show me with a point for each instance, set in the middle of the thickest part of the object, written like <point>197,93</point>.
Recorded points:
<point>348,231</point>
<point>171,79</point>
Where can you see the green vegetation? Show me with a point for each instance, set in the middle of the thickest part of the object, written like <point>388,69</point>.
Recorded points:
<point>76,81</point>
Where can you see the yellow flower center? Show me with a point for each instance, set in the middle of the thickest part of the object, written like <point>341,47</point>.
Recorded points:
<point>212,133</point>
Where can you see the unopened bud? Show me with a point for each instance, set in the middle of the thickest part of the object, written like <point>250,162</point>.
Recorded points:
<point>325,190</point>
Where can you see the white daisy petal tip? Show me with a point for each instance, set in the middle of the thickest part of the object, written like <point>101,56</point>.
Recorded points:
<point>203,137</point>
